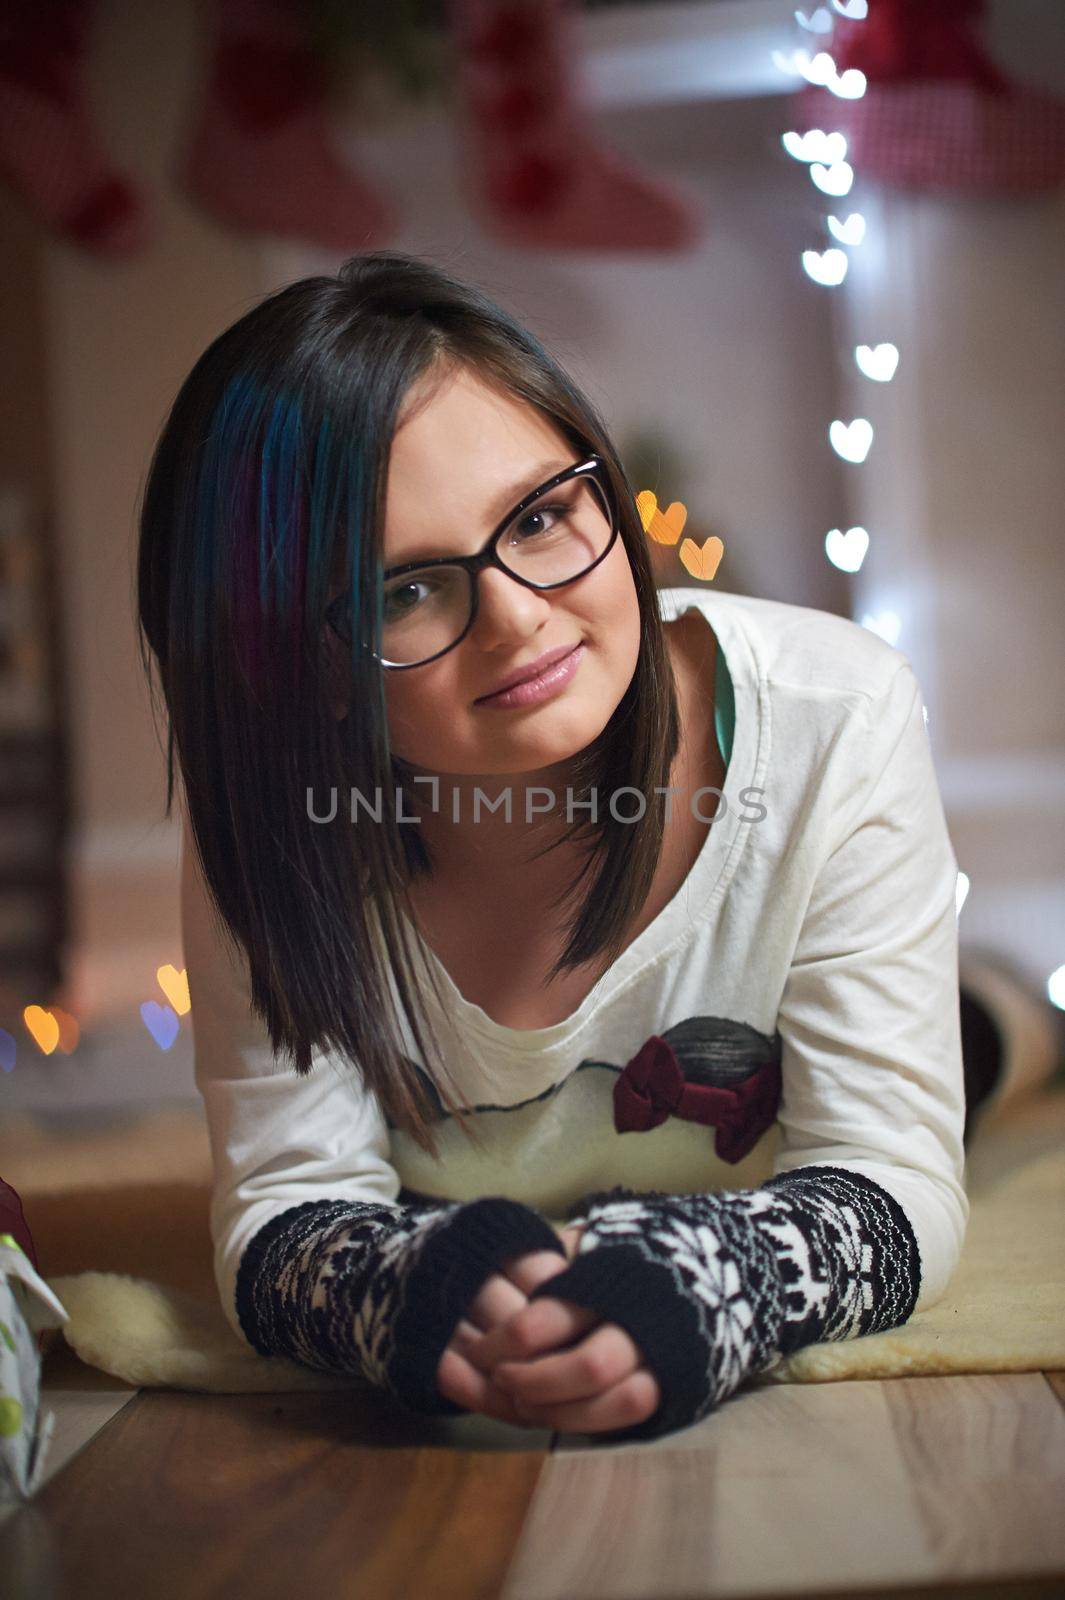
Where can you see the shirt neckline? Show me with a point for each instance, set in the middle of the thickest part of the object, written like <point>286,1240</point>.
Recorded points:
<point>710,872</point>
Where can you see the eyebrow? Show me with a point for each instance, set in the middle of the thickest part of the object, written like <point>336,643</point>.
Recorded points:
<point>504,501</point>
<point>510,497</point>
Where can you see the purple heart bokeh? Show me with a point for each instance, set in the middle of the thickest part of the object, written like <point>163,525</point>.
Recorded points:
<point>7,1051</point>
<point>161,1022</point>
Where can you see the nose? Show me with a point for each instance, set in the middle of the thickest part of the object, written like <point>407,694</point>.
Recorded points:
<point>506,608</point>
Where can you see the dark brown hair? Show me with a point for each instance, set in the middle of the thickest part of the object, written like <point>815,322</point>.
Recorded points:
<point>269,477</point>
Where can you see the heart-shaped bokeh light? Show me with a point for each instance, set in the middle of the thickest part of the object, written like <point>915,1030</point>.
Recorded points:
<point>851,440</point>
<point>879,363</point>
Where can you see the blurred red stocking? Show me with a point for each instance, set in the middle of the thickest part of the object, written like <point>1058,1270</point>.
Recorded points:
<point>260,158</point>
<point>13,1221</point>
<point>540,176</point>
<point>50,151</point>
<point>937,114</point>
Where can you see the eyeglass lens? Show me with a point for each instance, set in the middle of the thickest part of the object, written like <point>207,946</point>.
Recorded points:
<point>553,540</point>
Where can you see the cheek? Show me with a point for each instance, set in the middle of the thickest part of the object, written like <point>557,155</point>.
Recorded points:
<point>613,610</point>
<point>404,707</point>
<point>420,711</point>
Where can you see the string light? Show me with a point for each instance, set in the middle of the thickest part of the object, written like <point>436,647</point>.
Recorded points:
<point>835,180</point>
<point>851,232</point>
<point>850,85</point>
<point>846,550</point>
<point>815,145</point>
<point>829,266</point>
<point>887,624</point>
<point>851,440</point>
<point>819,22</point>
<point>879,364</point>
<point>1056,988</point>
<point>824,152</point>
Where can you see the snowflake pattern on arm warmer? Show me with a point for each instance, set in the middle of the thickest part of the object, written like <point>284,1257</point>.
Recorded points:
<point>717,1287</point>
<point>376,1290</point>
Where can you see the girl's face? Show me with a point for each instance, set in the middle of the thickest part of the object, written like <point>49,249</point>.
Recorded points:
<point>456,468</point>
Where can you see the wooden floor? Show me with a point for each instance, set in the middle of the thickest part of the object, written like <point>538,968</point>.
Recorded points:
<point>917,1487</point>
<point>949,1485</point>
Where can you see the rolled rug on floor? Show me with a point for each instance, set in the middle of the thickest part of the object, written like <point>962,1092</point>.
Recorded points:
<point>1003,1311</point>
<point>1013,1037</point>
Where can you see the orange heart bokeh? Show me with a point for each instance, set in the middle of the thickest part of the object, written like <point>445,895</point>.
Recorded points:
<point>175,985</point>
<point>702,563</point>
<point>664,527</point>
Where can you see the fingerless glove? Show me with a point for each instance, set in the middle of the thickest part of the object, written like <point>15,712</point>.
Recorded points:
<point>377,1290</point>
<point>715,1288</point>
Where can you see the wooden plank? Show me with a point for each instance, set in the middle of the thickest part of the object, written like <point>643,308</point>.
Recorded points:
<point>183,1496</point>
<point>808,1489</point>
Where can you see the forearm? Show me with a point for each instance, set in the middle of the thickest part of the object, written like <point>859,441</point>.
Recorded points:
<point>715,1288</point>
<point>377,1290</point>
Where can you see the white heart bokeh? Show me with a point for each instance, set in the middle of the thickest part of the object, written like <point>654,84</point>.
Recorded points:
<point>836,179</point>
<point>851,440</point>
<point>815,145</point>
<point>828,267</point>
<point>821,71</point>
<point>819,22</point>
<point>850,85</point>
<point>885,623</point>
<point>851,232</point>
<point>961,890</point>
<point>846,550</point>
<point>785,63</point>
<point>880,363</point>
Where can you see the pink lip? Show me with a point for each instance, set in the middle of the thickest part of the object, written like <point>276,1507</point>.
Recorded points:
<point>534,669</point>
<point>549,681</point>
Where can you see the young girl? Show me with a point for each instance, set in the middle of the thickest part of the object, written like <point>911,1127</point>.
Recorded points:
<point>570,1052</point>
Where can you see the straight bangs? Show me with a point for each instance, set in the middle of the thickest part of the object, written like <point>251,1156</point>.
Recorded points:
<point>266,489</point>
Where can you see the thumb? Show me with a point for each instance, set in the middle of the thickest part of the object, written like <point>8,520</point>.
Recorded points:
<point>570,1236</point>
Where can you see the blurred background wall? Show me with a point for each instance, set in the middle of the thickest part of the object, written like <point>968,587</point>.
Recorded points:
<point>718,369</point>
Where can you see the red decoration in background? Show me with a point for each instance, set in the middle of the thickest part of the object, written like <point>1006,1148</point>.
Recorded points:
<point>905,40</point>
<point>260,158</point>
<point>937,113</point>
<point>538,169</point>
<point>13,1221</point>
<point>652,1087</point>
<point>51,153</point>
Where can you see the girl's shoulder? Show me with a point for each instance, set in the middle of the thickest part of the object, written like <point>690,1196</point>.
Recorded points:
<point>791,649</point>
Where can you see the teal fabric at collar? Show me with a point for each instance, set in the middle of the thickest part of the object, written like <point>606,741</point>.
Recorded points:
<point>724,708</point>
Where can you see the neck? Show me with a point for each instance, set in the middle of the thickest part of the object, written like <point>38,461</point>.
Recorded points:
<point>491,822</point>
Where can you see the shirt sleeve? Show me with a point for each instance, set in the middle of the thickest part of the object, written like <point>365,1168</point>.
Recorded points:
<point>315,1258</point>
<point>864,1217</point>
<point>870,1017</point>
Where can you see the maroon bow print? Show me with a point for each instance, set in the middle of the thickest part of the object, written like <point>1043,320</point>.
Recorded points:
<point>652,1087</point>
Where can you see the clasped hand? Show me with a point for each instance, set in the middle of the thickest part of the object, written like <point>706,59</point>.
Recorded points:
<point>544,1363</point>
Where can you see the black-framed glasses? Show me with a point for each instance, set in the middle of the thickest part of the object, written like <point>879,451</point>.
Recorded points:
<point>556,534</point>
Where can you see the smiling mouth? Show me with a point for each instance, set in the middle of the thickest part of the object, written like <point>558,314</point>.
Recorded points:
<point>533,677</point>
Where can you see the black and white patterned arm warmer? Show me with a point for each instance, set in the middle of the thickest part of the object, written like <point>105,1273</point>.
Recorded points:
<point>714,1288</point>
<point>367,1288</point>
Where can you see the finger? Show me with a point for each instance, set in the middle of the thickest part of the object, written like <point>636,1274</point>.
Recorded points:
<point>528,1271</point>
<point>467,1341</point>
<point>459,1380</point>
<point>598,1362</point>
<point>571,1237</point>
<point>540,1325</point>
<point>496,1301</point>
<point>633,1400</point>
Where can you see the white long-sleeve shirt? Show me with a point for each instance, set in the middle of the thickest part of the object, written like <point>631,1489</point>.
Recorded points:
<point>815,935</point>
